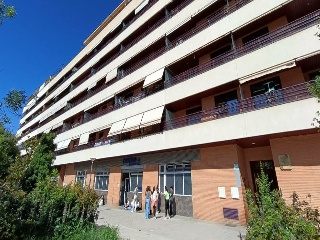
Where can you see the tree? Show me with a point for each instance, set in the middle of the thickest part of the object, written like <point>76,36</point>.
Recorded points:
<point>12,102</point>
<point>6,11</point>
<point>314,88</point>
<point>8,151</point>
<point>271,218</point>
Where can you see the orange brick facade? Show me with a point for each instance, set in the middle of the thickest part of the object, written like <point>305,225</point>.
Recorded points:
<point>215,168</point>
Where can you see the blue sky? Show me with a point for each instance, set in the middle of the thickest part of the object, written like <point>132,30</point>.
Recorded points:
<point>44,36</point>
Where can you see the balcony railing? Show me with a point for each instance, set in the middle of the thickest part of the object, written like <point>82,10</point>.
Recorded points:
<point>193,31</point>
<point>151,3</point>
<point>277,97</point>
<point>273,98</point>
<point>267,39</point>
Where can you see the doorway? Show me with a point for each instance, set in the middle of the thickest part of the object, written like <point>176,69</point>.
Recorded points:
<point>125,188</point>
<point>268,167</point>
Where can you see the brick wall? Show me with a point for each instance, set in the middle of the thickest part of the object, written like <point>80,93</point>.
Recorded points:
<point>150,178</point>
<point>70,174</point>
<point>304,177</point>
<point>113,197</point>
<point>215,169</point>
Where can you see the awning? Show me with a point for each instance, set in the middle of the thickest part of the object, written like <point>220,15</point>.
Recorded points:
<point>154,77</point>
<point>99,102</point>
<point>111,75</point>
<point>132,123</point>
<point>62,144</point>
<point>116,128</point>
<point>262,73</point>
<point>92,86</point>
<point>152,117</point>
<point>141,6</point>
<point>31,103</point>
<point>42,91</point>
<point>65,143</point>
<point>84,138</point>
<point>25,109</point>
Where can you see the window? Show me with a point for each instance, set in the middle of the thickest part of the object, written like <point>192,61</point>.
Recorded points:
<point>255,35</point>
<point>178,176</point>
<point>193,117</point>
<point>265,92</point>
<point>136,179</point>
<point>101,181</point>
<point>228,102</point>
<point>81,177</point>
<point>220,51</point>
<point>312,75</point>
<point>265,86</point>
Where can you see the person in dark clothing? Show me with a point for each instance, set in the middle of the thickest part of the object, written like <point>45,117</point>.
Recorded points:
<point>171,201</point>
<point>166,205</point>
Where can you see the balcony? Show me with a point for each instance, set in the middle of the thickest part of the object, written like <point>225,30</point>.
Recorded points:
<point>128,46</point>
<point>264,101</point>
<point>281,33</point>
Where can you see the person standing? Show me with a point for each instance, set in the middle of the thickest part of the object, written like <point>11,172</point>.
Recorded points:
<point>154,200</point>
<point>166,204</point>
<point>135,196</point>
<point>171,202</point>
<point>148,196</point>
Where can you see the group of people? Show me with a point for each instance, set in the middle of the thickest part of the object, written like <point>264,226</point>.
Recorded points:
<point>135,204</point>
<point>152,202</point>
<point>152,198</point>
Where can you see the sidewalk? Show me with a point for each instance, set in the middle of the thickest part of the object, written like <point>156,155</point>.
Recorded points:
<point>134,226</point>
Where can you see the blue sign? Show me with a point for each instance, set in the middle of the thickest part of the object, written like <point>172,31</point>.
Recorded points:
<point>131,161</point>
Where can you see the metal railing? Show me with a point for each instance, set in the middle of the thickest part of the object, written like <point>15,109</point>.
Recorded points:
<point>277,97</point>
<point>273,98</point>
<point>267,39</point>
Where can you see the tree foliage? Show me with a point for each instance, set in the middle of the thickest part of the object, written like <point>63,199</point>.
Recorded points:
<point>314,88</point>
<point>12,103</point>
<point>6,11</point>
<point>271,218</point>
<point>8,151</point>
<point>34,206</point>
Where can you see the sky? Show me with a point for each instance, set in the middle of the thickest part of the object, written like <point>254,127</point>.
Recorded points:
<point>43,37</point>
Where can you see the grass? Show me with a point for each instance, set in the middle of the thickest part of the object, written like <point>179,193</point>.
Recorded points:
<point>96,233</point>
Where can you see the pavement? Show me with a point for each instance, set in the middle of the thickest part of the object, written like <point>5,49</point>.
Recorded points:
<point>133,225</point>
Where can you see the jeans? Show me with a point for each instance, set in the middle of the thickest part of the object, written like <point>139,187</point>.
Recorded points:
<point>147,211</point>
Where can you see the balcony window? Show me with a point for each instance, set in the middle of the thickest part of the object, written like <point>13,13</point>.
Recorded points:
<point>227,103</point>
<point>313,75</point>
<point>255,35</point>
<point>178,176</point>
<point>136,180</point>
<point>101,181</point>
<point>220,51</point>
<point>266,91</point>
<point>193,118</point>
<point>81,178</point>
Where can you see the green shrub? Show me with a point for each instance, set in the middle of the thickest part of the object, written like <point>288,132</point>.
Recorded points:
<point>95,233</point>
<point>270,218</point>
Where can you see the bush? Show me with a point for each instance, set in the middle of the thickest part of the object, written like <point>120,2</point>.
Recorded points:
<point>270,217</point>
<point>95,233</point>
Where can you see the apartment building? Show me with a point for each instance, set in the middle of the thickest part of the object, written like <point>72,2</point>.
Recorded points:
<point>193,94</point>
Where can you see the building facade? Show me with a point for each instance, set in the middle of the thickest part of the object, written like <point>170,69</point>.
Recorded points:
<point>194,94</point>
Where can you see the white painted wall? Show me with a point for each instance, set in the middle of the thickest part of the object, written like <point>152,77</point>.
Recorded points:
<point>282,118</point>
<point>290,48</point>
<point>148,40</point>
<point>214,32</point>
